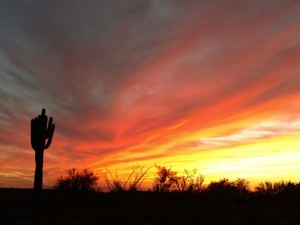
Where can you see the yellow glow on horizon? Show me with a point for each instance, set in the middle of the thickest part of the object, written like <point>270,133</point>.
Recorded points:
<point>271,159</point>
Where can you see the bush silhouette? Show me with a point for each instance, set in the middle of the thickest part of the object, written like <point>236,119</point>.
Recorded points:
<point>224,185</point>
<point>242,185</point>
<point>132,182</point>
<point>276,188</point>
<point>221,185</point>
<point>77,181</point>
<point>165,179</point>
<point>190,181</point>
<point>168,180</point>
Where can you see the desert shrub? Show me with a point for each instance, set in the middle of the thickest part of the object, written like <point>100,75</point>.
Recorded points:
<point>77,181</point>
<point>190,181</point>
<point>269,188</point>
<point>242,185</point>
<point>167,180</point>
<point>164,180</point>
<point>221,185</point>
<point>132,182</point>
<point>224,185</point>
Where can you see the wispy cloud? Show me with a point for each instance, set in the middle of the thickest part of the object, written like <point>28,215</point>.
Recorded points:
<point>143,80</point>
<point>264,130</point>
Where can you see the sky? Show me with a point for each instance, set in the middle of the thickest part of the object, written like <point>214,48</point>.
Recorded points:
<point>210,84</point>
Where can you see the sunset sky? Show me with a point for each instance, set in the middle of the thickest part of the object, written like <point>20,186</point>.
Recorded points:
<point>206,84</point>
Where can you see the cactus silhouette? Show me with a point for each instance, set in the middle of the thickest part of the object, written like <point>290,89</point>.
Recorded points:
<point>41,137</point>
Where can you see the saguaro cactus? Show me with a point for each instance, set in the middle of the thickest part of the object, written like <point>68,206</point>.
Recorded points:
<point>41,137</point>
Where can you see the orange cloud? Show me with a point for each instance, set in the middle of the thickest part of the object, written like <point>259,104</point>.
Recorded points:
<point>210,85</point>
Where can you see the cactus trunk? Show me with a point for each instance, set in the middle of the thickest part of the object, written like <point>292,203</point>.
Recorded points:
<point>41,137</point>
<point>38,176</point>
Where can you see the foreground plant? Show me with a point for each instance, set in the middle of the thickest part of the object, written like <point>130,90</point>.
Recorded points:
<point>132,182</point>
<point>41,137</point>
<point>75,180</point>
<point>167,180</point>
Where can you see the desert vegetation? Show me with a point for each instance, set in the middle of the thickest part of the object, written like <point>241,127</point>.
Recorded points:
<point>167,180</point>
<point>184,199</point>
<point>173,199</point>
<point>132,182</point>
<point>75,180</point>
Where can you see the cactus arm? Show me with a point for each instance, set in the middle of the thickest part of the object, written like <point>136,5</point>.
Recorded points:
<point>50,131</point>
<point>33,136</point>
<point>44,125</point>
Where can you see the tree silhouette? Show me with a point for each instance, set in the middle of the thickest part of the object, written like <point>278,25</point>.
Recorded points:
<point>190,181</point>
<point>41,137</point>
<point>77,181</point>
<point>277,188</point>
<point>242,185</point>
<point>165,179</point>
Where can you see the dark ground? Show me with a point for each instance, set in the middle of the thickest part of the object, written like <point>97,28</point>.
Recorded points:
<point>149,208</point>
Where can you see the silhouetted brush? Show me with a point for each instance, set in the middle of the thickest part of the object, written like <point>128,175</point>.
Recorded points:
<point>41,137</point>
